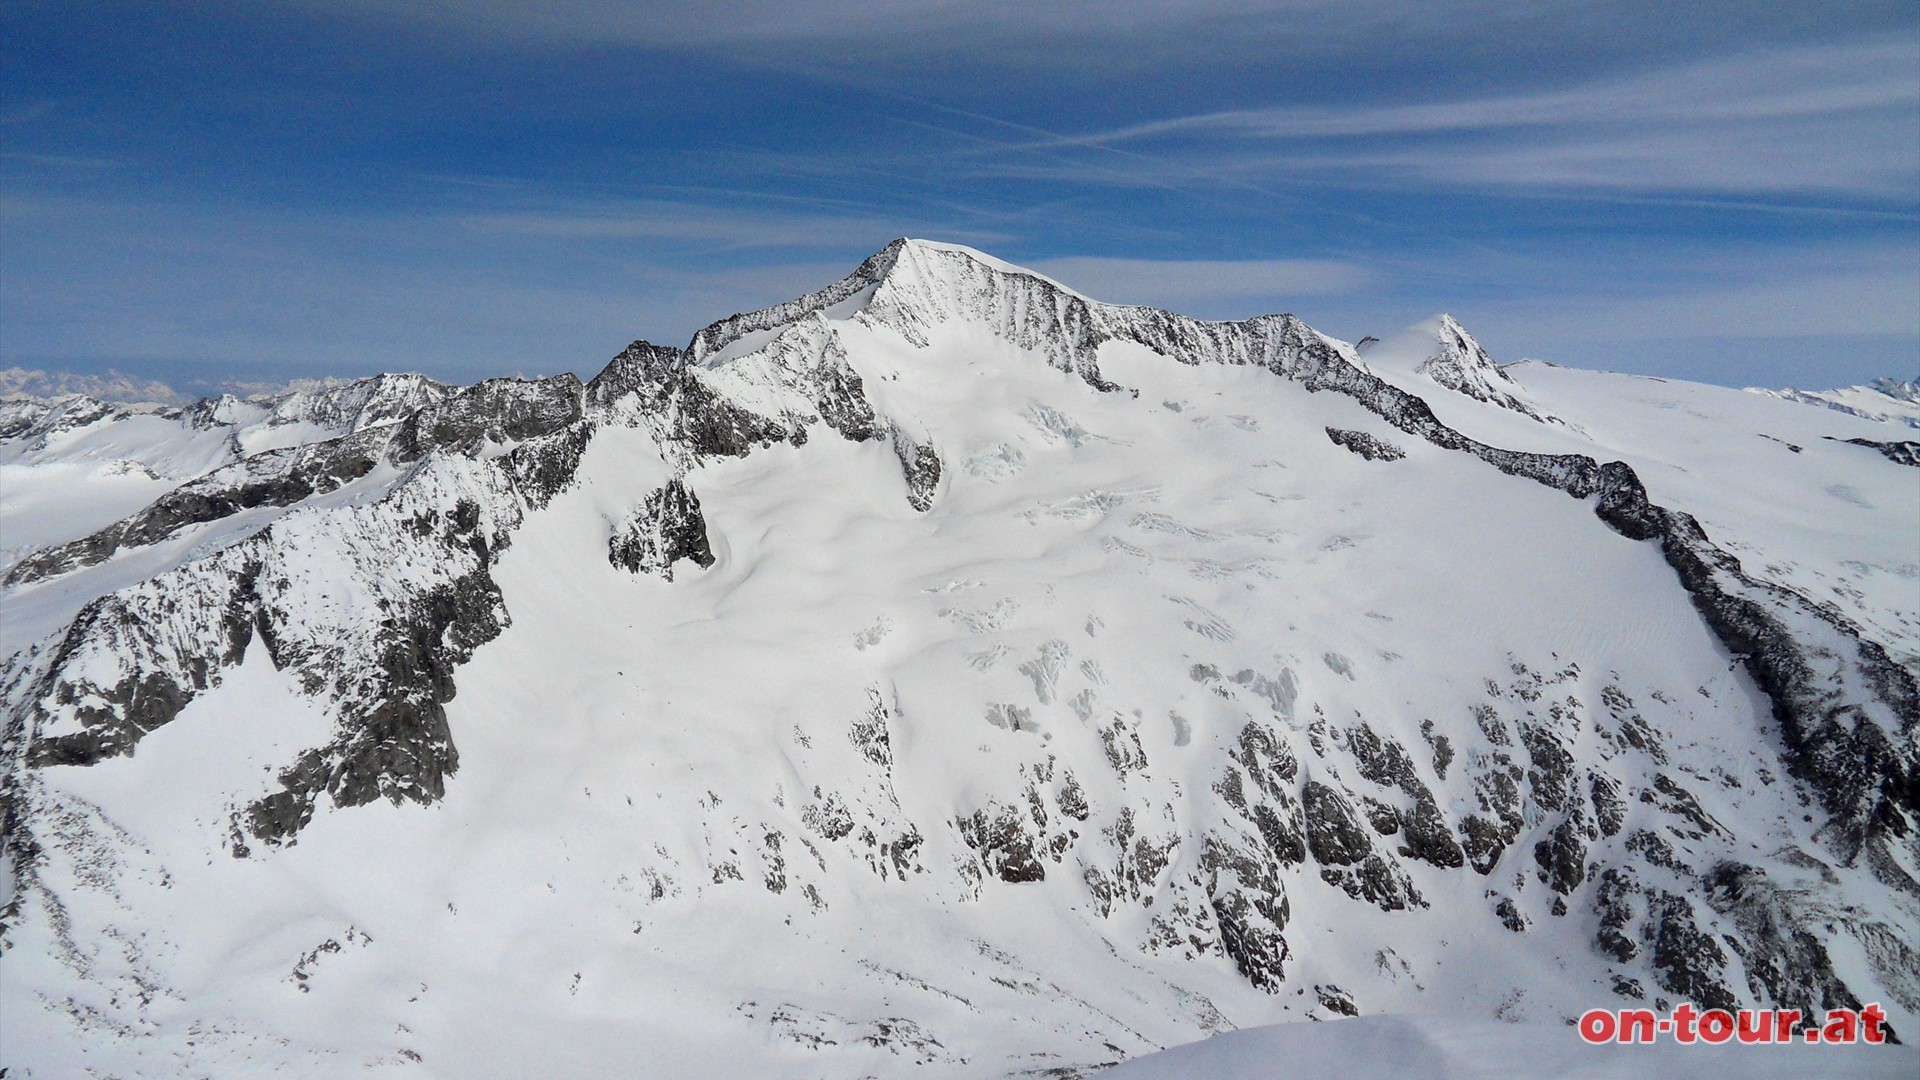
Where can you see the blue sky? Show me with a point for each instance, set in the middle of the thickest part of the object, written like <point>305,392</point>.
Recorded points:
<point>220,192</point>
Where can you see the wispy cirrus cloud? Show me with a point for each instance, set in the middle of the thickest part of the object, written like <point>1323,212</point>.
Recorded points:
<point>746,21</point>
<point>1781,84</point>
<point>1835,118</point>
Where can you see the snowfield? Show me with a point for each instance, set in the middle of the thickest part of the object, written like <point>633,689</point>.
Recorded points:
<point>947,674</point>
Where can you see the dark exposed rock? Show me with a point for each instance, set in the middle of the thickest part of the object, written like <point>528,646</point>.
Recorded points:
<point>1785,964</point>
<point>1609,810</point>
<point>1898,451</point>
<point>1562,858</point>
<point>544,466</point>
<point>922,467</point>
<point>1268,761</point>
<point>1687,960</point>
<point>397,747</point>
<point>1377,881</point>
<point>1383,761</point>
<point>1073,800</point>
<point>1000,836</point>
<point>1367,446</point>
<point>1550,777</point>
<point>1483,841</point>
<point>1121,740</point>
<point>499,411</point>
<point>1668,795</point>
<point>1510,916</point>
<point>869,734</point>
<point>1139,860</point>
<point>1429,839</point>
<point>1281,831</point>
<point>828,816</point>
<point>1653,848</point>
<point>1334,834</point>
<point>1497,788</point>
<point>1335,1000</point>
<point>1383,817</point>
<point>1258,949</point>
<point>1614,900</point>
<point>1348,860</point>
<point>653,384</point>
<point>668,527</point>
<point>1442,748</point>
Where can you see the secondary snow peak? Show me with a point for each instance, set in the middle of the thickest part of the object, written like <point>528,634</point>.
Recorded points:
<point>1440,351</point>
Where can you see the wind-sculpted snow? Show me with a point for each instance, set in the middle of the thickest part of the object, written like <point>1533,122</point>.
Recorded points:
<point>759,737</point>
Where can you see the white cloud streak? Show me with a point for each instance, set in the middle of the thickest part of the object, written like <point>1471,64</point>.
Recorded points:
<point>1838,119</point>
<point>680,22</point>
<point>1806,82</point>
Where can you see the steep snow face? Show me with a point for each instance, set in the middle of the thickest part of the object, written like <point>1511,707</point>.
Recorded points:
<point>941,669</point>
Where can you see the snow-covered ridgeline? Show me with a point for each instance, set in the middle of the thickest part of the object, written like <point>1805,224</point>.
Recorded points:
<point>799,376</point>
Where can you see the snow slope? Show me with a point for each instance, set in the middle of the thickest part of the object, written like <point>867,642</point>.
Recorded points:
<point>946,671</point>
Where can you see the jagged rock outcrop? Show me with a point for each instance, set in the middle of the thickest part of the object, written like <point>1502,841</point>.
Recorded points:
<point>1365,445</point>
<point>1898,451</point>
<point>667,528</point>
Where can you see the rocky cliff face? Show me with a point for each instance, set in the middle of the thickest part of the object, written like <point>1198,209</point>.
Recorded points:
<point>1209,760</point>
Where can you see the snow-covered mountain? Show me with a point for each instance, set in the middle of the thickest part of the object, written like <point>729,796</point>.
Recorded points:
<point>945,670</point>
